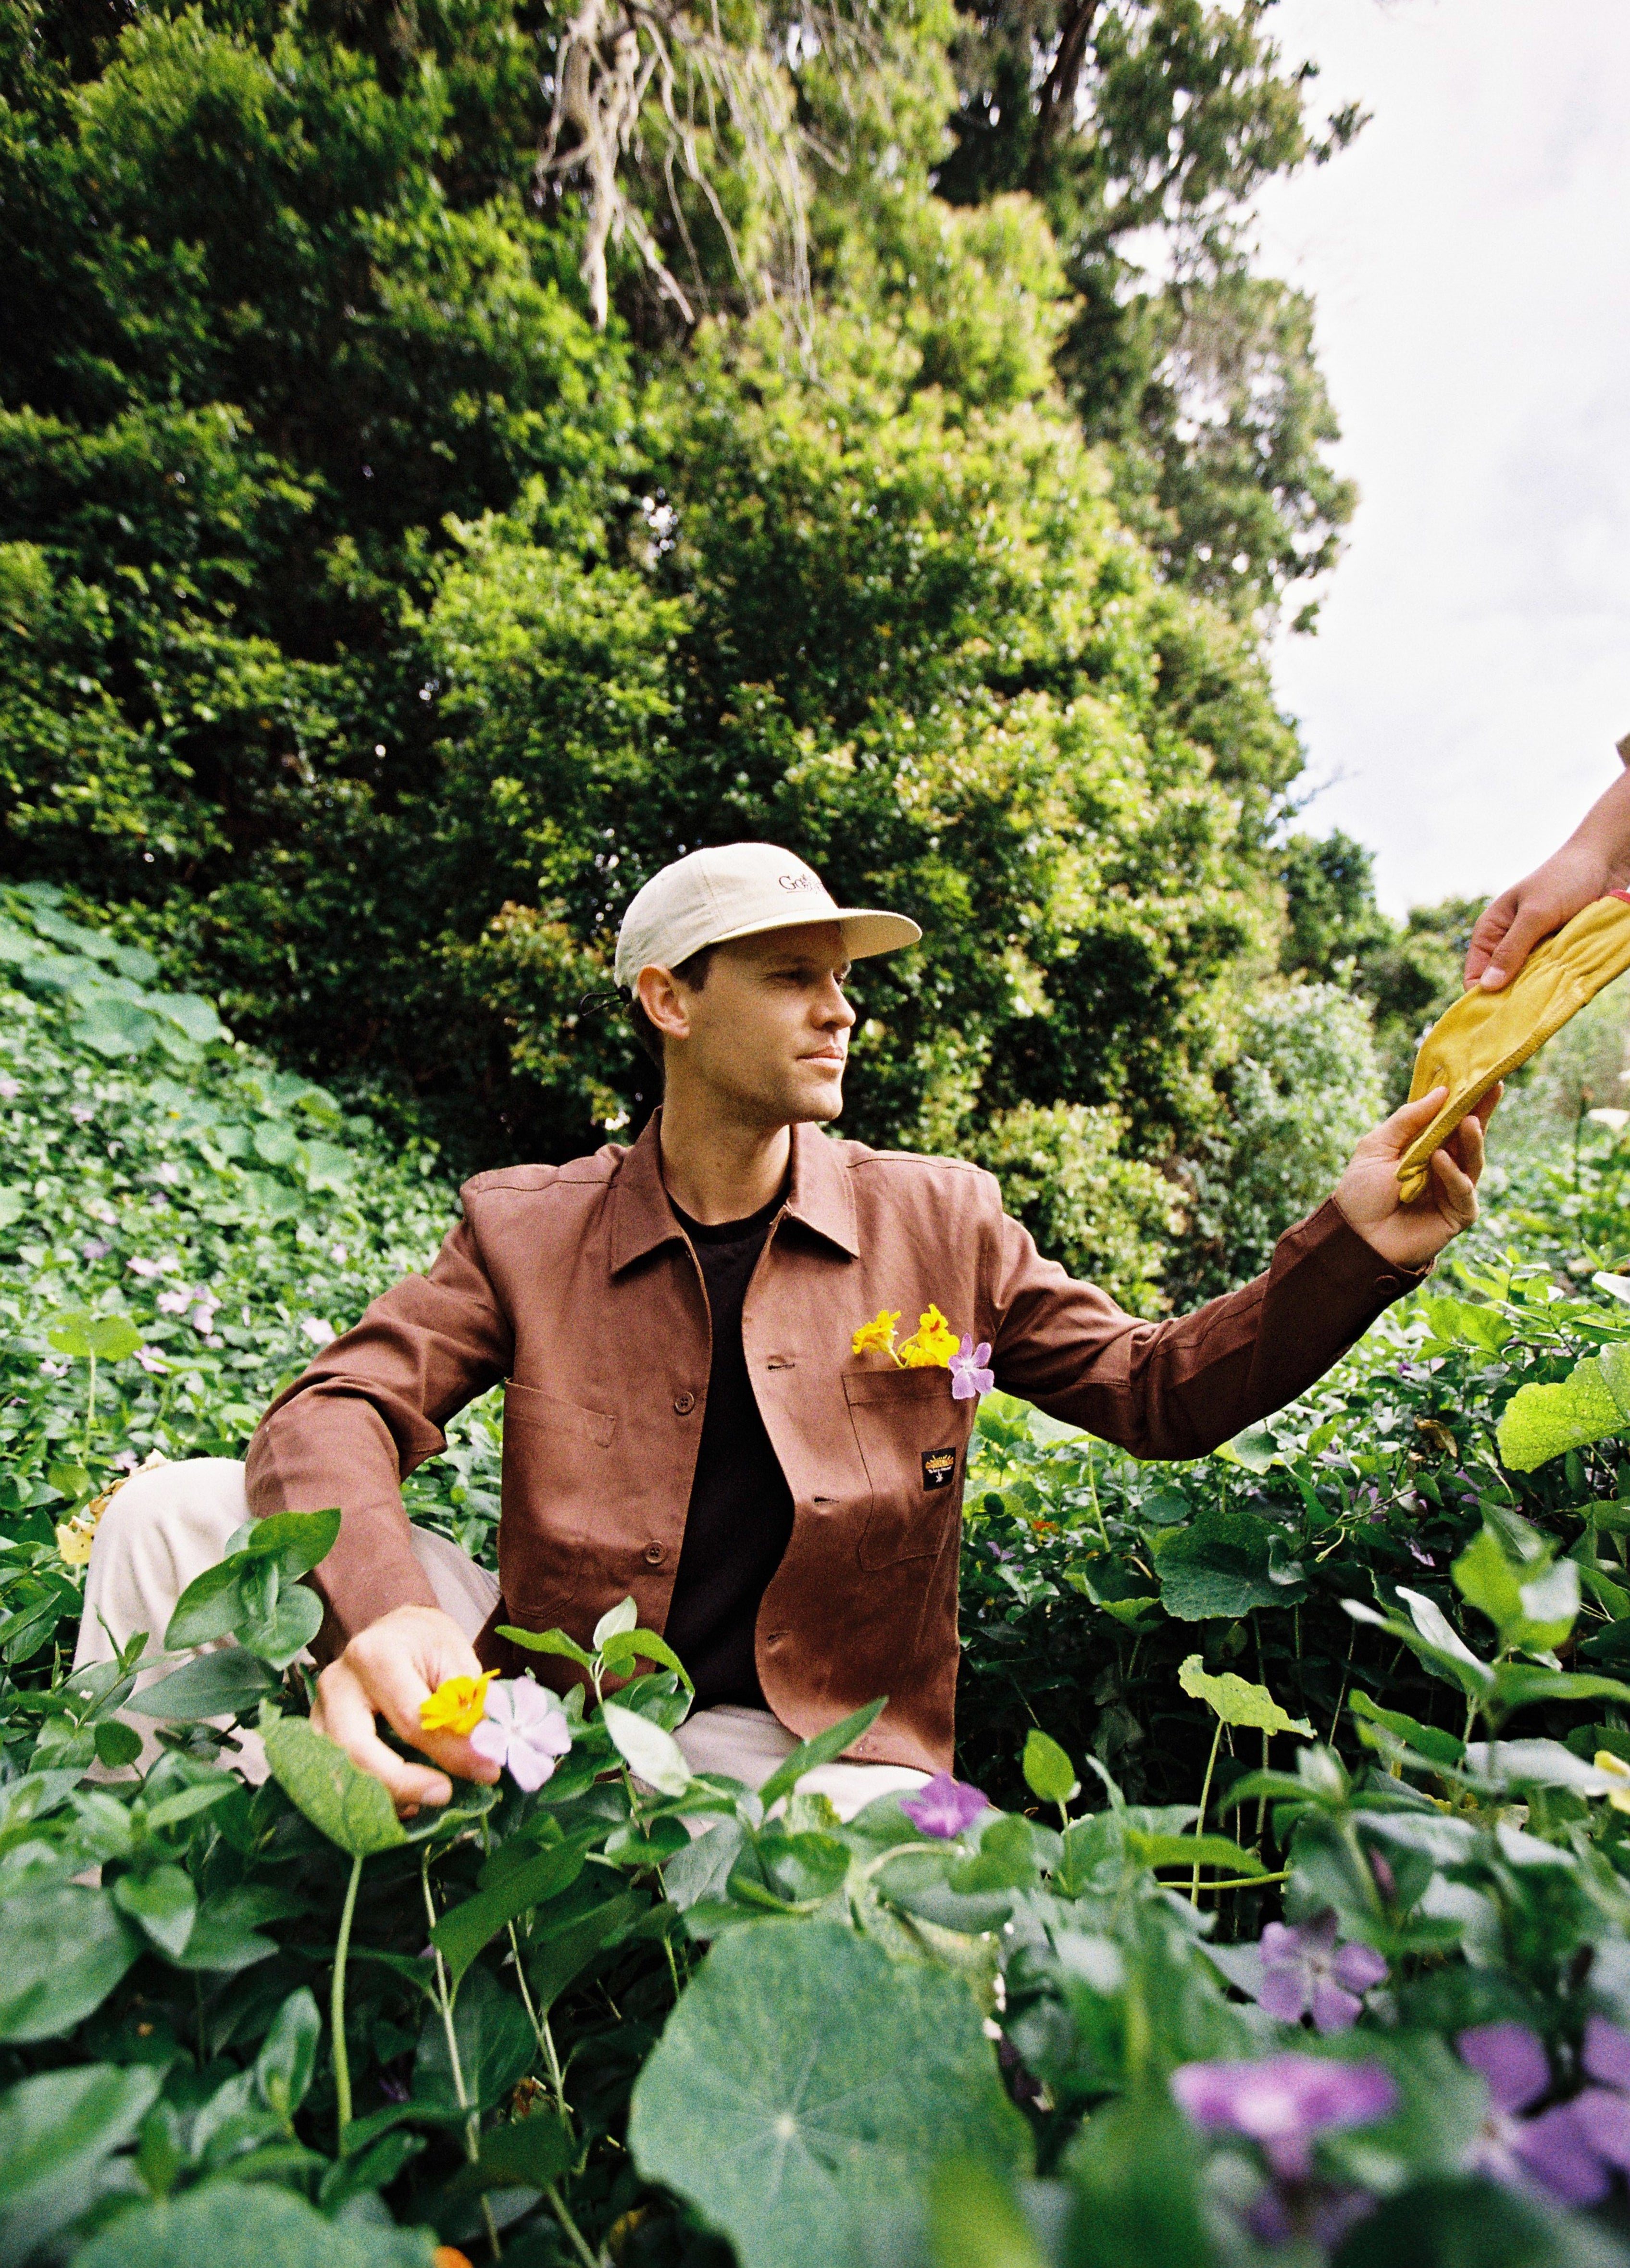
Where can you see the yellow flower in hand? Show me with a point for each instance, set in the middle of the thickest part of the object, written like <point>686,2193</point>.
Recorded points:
<point>932,1344</point>
<point>457,1706</point>
<point>878,1333</point>
<point>1616,1768</point>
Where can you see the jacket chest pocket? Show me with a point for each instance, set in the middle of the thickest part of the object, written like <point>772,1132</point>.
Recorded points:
<point>913,1442</point>
<point>557,1472</point>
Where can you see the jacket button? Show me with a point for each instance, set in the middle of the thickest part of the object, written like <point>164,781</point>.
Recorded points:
<point>684,1403</point>
<point>655,1554</point>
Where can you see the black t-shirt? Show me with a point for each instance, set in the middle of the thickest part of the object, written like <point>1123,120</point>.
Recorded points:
<point>740,1514</point>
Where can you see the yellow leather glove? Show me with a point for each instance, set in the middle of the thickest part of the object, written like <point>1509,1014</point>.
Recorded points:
<point>1486,1034</point>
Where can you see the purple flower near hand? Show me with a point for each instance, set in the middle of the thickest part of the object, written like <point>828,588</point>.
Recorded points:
<point>969,1378</point>
<point>1550,2154</point>
<point>945,1808</point>
<point>1303,1968</point>
<point>1284,2104</point>
<point>525,1732</point>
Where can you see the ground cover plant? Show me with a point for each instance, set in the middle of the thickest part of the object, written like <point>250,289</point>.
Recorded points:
<point>1278,1910</point>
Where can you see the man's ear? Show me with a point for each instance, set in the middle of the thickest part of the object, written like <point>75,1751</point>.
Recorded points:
<point>657,991</point>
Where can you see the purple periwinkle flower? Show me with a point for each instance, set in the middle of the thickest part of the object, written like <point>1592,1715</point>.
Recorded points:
<point>945,1808</point>
<point>969,1377</point>
<point>525,1732</point>
<point>318,1329</point>
<point>151,1362</point>
<point>82,1113</point>
<point>168,1174</point>
<point>96,1248</point>
<point>175,1303</point>
<point>140,1267</point>
<point>1303,1968</point>
<point>1285,2103</point>
<point>1551,2154</point>
<point>10,1089</point>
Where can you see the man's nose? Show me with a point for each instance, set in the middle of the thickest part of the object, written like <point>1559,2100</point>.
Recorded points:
<point>834,1009</point>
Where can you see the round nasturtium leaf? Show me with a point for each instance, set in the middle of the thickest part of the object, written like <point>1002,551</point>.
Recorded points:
<point>805,2088</point>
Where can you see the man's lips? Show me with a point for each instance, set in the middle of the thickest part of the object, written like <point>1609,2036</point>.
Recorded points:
<point>826,1055</point>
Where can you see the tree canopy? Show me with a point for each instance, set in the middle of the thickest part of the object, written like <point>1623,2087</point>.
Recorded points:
<point>383,606</point>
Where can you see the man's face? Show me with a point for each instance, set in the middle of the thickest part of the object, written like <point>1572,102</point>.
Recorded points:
<point>768,1031</point>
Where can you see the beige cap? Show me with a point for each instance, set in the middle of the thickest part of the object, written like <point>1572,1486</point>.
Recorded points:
<point>741,890</point>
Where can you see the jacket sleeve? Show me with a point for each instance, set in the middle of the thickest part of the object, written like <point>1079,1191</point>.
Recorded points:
<point>369,1411</point>
<point>1181,1387</point>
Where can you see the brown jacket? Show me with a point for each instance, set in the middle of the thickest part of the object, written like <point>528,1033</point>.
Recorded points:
<point>577,1285</point>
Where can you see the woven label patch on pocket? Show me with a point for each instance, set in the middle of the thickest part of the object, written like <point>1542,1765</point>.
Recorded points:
<point>939,1468</point>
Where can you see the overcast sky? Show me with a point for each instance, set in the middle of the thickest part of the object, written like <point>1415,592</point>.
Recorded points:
<point>1470,256</point>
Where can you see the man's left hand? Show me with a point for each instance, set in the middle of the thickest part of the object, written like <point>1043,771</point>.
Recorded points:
<point>1412,1235</point>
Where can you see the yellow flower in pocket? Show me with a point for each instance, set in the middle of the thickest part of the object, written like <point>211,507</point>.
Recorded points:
<point>457,1706</point>
<point>878,1334</point>
<point>932,1344</point>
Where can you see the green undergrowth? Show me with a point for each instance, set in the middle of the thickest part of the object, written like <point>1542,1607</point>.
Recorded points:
<point>1363,1676</point>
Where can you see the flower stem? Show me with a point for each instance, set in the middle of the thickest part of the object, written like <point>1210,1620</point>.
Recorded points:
<point>443,2001</point>
<point>1199,1824</point>
<point>541,2032</point>
<point>90,1410</point>
<point>336,2002</point>
<point>580,2244</point>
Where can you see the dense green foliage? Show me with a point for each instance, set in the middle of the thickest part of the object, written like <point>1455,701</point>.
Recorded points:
<point>375,623</point>
<point>1281,1667</point>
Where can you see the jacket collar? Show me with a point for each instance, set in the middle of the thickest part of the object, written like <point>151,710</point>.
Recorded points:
<point>820,1197</point>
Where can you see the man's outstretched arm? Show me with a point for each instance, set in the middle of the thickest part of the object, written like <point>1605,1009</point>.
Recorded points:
<point>1595,859</point>
<point>1181,1387</point>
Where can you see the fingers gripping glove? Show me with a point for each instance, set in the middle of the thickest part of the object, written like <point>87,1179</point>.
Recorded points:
<point>1486,1034</point>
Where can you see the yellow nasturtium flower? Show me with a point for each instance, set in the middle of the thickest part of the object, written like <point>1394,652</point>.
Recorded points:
<point>457,1706</point>
<point>878,1333</point>
<point>932,1344</point>
<point>1616,1768</point>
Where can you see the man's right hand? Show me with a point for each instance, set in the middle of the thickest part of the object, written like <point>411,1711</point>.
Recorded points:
<point>387,1670</point>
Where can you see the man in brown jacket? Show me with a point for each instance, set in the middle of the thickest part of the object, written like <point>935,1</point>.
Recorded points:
<point>693,1412</point>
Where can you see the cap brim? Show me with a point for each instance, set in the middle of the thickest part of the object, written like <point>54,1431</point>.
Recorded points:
<point>866,930</point>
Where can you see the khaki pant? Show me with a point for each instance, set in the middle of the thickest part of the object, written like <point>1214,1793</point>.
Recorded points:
<point>167,1524</point>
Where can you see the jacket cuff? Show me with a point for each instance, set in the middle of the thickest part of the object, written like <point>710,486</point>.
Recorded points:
<point>1353,1264</point>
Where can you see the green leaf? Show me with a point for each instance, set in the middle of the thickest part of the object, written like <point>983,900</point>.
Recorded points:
<point>1438,1747</point>
<point>976,2219</point>
<point>557,1956</point>
<point>66,1948</point>
<point>806,2085</point>
<point>297,1541</point>
<point>288,2056</point>
<point>1486,1579</point>
<point>54,2130</point>
<point>1190,1851</point>
<point>162,1903</point>
<point>825,1748</point>
<point>117,1745</point>
<point>348,1805</point>
<point>228,2225</point>
<point>1542,1422</point>
<point>1136,2174</point>
<point>615,1621</point>
<point>70,1333</point>
<point>548,1641</point>
<point>495,2044</point>
<point>1256,1449</point>
<point>1048,1771</point>
<point>1238,1702</point>
<point>1218,1566</point>
<point>527,2153</point>
<point>644,1645</point>
<point>462,1932</point>
<point>228,1683</point>
<point>650,1754</point>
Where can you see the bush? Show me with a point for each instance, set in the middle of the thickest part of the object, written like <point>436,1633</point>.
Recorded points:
<point>1302,1091</point>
